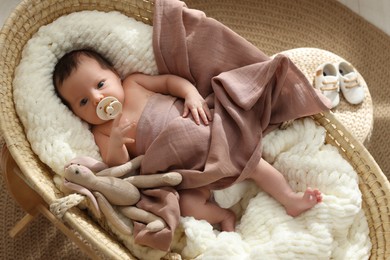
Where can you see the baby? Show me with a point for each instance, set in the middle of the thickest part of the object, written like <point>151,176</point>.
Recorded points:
<point>83,78</point>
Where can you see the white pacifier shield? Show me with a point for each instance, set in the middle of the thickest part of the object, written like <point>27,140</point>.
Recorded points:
<point>108,108</point>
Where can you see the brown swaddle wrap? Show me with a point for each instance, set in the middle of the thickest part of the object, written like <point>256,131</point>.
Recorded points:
<point>250,95</point>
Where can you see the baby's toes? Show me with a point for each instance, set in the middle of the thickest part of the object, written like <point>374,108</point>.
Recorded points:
<point>318,195</point>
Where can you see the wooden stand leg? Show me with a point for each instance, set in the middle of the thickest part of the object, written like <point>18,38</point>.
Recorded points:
<point>32,203</point>
<point>21,225</point>
<point>27,198</point>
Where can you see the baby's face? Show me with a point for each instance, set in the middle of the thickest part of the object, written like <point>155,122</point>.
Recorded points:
<point>87,85</point>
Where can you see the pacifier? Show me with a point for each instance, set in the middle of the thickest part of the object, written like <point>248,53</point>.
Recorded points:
<point>108,108</point>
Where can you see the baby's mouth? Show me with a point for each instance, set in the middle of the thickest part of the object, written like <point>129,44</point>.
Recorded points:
<point>108,108</point>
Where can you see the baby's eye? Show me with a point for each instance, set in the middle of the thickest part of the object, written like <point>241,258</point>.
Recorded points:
<point>83,102</point>
<point>100,84</point>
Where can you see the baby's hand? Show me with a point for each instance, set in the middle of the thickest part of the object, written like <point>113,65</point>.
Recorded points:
<point>120,131</point>
<point>195,104</point>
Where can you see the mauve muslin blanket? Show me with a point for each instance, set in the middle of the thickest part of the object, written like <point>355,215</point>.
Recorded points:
<point>249,93</point>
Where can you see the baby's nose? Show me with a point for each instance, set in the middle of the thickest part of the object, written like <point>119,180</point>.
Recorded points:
<point>98,98</point>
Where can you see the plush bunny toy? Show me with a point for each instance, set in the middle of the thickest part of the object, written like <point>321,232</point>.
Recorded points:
<point>107,191</point>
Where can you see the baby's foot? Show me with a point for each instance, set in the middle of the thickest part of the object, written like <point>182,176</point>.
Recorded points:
<point>300,203</point>
<point>229,223</point>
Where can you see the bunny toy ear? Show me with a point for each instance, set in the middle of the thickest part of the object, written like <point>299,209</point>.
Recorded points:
<point>82,190</point>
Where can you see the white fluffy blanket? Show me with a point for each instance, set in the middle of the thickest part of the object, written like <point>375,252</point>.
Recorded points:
<point>335,229</point>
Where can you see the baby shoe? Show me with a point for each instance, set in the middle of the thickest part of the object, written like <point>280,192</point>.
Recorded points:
<point>350,85</point>
<point>327,81</point>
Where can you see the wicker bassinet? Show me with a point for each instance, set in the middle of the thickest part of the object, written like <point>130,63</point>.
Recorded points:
<point>32,14</point>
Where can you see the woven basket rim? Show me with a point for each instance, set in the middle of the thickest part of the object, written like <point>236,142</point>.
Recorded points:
<point>31,14</point>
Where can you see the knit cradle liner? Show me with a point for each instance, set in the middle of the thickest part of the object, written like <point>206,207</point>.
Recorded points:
<point>336,228</point>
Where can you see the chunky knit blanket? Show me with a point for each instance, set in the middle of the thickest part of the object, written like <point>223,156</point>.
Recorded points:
<point>333,229</point>
<point>336,228</point>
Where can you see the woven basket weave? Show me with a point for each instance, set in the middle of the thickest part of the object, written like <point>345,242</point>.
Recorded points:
<point>32,14</point>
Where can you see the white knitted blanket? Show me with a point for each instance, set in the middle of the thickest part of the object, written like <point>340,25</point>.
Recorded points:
<point>335,229</point>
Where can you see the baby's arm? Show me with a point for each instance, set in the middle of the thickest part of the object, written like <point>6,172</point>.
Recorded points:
<point>178,87</point>
<point>113,148</point>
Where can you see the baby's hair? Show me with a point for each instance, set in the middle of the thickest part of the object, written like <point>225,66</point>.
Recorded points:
<point>70,61</point>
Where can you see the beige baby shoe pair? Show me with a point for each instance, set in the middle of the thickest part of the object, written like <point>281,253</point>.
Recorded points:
<point>331,77</point>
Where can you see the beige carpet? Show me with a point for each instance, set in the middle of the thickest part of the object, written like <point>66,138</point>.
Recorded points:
<point>273,26</point>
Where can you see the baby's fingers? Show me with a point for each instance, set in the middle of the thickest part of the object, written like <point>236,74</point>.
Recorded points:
<point>124,132</point>
<point>194,112</point>
<point>128,140</point>
<point>207,112</point>
<point>186,111</point>
<point>198,114</point>
<point>195,115</point>
<point>117,119</point>
<point>127,126</point>
<point>203,116</point>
